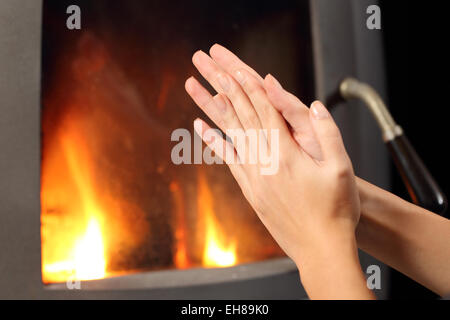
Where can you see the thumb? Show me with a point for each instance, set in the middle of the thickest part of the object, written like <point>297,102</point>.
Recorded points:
<point>327,133</point>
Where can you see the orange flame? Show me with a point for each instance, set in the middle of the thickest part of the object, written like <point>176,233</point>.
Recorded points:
<point>92,225</point>
<point>218,251</point>
<point>86,260</point>
<point>73,246</point>
<point>181,258</point>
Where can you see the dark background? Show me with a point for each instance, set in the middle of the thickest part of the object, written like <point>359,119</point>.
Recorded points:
<point>418,89</point>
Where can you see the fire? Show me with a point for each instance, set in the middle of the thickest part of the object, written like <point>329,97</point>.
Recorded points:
<point>86,262</point>
<point>90,262</point>
<point>218,251</point>
<point>181,258</point>
<point>106,206</point>
<point>73,246</point>
<point>216,254</point>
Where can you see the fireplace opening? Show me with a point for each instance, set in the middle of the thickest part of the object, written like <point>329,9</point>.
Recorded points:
<point>112,201</point>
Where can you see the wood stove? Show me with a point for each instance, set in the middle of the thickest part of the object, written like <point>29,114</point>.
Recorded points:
<point>88,191</point>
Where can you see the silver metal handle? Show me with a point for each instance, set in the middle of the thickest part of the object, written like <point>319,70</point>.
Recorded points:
<point>421,185</point>
<point>352,88</point>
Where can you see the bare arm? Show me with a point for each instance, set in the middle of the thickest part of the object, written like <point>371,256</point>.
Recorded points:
<point>310,207</point>
<point>330,269</point>
<point>408,238</point>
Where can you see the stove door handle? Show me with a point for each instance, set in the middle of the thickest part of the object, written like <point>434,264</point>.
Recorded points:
<point>422,187</point>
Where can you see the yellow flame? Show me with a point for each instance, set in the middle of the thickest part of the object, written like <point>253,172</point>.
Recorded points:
<point>217,252</point>
<point>74,245</point>
<point>89,258</point>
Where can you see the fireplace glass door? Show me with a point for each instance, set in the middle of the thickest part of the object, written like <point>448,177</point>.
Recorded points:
<point>112,200</point>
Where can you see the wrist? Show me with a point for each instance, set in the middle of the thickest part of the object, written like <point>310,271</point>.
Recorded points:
<point>326,245</point>
<point>371,200</point>
<point>331,269</point>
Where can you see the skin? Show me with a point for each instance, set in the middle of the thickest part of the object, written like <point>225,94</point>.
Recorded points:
<point>404,236</point>
<point>310,206</point>
<point>408,238</point>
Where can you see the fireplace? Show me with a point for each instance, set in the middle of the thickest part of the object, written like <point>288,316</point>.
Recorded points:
<point>89,192</point>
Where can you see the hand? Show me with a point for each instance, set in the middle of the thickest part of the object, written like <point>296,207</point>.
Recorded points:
<point>294,111</point>
<point>310,202</point>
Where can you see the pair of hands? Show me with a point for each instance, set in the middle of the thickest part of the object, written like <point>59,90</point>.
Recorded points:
<point>311,204</point>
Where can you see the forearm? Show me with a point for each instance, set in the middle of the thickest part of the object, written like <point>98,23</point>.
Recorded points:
<point>330,269</point>
<point>406,237</point>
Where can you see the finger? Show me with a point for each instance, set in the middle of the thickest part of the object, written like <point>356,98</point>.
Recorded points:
<point>327,133</point>
<point>270,118</point>
<point>217,108</point>
<point>222,148</point>
<point>226,120</point>
<point>230,62</point>
<point>296,113</point>
<point>225,84</point>
<point>293,110</point>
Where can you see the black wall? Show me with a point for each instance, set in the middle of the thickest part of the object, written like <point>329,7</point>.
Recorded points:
<point>418,86</point>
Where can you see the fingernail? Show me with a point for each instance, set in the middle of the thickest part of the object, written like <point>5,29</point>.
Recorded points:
<point>223,82</point>
<point>319,111</point>
<point>240,76</point>
<point>195,56</point>
<point>188,84</point>
<point>275,82</point>
<point>198,127</point>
